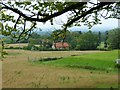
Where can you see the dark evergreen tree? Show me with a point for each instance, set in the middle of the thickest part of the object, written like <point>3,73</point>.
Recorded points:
<point>99,37</point>
<point>106,37</point>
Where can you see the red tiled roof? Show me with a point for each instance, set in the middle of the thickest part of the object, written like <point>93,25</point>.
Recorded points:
<point>61,45</point>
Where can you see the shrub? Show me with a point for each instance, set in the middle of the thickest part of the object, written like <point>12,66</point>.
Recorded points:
<point>117,66</point>
<point>50,59</point>
<point>30,47</point>
<point>11,47</point>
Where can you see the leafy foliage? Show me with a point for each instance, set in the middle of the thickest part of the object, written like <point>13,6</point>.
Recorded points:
<point>43,11</point>
<point>114,38</point>
<point>87,41</point>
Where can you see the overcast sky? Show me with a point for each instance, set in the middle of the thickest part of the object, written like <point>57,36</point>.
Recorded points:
<point>58,21</point>
<point>107,24</point>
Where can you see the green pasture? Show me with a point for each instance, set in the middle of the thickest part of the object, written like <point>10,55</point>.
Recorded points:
<point>93,61</point>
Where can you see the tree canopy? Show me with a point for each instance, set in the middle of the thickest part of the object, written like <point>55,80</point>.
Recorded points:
<point>87,41</point>
<point>114,38</point>
<point>42,11</point>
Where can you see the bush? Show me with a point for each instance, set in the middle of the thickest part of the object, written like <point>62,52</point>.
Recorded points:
<point>50,59</point>
<point>117,66</point>
<point>10,47</point>
<point>104,49</point>
<point>30,47</point>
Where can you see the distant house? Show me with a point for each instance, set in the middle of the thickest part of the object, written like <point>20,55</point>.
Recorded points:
<point>60,45</point>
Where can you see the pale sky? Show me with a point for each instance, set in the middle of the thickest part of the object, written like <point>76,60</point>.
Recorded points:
<point>107,24</point>
<point>58,21</point>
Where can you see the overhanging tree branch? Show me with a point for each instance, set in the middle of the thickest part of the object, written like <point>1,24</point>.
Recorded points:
<point>17,22</point>
<point>30,30</point>
<point>102,4</point>
<point>78,11</point>
<point>22,31</point>
<point>71,7</point>
<point>26,32</point>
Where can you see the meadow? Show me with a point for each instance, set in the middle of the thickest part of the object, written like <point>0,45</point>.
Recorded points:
<point>76,69</point>
<point>97,61</point>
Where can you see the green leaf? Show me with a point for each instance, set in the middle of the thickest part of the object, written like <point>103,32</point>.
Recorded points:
<point>36,7</point>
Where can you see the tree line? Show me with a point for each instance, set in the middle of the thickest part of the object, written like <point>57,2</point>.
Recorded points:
<point>43,11</point>
<point>77,40</point>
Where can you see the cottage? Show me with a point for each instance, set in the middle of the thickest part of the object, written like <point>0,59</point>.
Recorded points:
<point>60,45</point>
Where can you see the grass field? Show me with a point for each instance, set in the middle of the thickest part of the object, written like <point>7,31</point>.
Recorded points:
<point>77,69</point>
<point>96,61</point>
<point>16,45</point>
